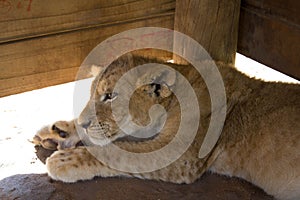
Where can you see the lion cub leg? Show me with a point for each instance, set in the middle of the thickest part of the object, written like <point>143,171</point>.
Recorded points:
<point>71,165</point>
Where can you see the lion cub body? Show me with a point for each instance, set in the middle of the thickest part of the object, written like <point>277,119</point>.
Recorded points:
<point>260,140</point>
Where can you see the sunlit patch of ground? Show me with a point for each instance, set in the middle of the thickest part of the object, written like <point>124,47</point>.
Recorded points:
<point>23,114</point>
<point>260,71</point>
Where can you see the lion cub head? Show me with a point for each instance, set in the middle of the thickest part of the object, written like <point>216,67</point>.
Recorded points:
<point>128,97</point>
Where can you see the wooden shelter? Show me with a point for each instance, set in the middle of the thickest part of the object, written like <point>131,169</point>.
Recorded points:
<point>43,43</point>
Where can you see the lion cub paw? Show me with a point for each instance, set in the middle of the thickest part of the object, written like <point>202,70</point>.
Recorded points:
<point>71,165</point>
<point>60,135</point>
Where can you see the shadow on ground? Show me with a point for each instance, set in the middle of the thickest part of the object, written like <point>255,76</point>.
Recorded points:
<point>210,186</point>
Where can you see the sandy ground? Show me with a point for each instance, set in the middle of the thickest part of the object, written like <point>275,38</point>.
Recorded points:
<point>23,114</point>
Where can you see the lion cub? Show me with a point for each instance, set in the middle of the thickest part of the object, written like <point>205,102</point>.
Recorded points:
<point>259,142</point>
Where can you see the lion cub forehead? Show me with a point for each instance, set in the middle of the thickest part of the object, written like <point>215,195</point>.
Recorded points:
<point>109,78</point>
<point>110,75</point>
<point>102,86</point>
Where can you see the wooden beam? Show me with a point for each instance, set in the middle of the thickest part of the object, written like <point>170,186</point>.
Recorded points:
<point>269,32</point>
<point>45,61</point>
<point>33,18</point>
<point>214,24</point>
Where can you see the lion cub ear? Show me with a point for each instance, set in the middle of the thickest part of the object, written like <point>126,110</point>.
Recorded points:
<point>95,70</point>
<point>124,60</point>
<point>168,77</point>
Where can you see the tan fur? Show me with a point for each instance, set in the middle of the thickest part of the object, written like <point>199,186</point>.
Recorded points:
<point>260,141</point>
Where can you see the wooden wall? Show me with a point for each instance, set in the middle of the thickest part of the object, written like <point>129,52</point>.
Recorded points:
<point>269,32</point>
<point>212,23</point>
<point>43,44</point>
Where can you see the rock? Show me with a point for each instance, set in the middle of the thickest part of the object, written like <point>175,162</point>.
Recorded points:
<point>210,186</point>
<point>32,186</point>
<point>42,154</point>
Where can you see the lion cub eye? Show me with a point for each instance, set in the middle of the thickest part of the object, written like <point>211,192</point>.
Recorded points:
<point>108,97</point>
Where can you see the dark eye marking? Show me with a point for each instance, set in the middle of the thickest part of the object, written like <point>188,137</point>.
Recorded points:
<point>108,96</point>
<point>156,88</point>
<point>61,133</point>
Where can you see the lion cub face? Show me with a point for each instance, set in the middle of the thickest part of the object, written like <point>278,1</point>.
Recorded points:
<point>149,88</point>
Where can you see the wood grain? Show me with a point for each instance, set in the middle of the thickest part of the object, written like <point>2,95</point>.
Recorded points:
<point>40,62</point>
<point>213,24</point>
<point>269,32</point>
<point>17,22</point>
<point>43,44</point>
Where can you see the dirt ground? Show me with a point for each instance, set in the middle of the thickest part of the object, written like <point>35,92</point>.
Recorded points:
<point>210,186</point>
<point>22,174</point>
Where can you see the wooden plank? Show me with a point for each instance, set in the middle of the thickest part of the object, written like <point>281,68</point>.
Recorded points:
<point>35,81</point>
<point>285,10</point>
<point>24,65</point>
<point>214,24</point>
<point>20,19</point>
<point>269,32</point>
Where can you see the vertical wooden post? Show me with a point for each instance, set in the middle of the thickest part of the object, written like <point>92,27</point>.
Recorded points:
<point>212,23</point>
